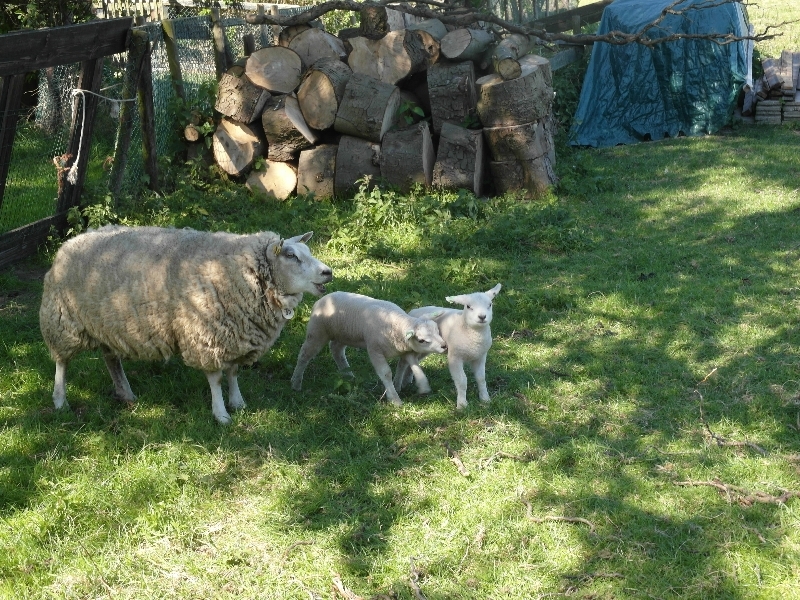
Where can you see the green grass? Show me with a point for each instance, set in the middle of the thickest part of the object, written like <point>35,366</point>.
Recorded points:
<point>648,312</point>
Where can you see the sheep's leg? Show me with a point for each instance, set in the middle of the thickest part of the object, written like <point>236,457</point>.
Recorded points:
<point>479,368</point>
<point>340,358</point>
<point>400,373</point>
<point>235,400</point>
<point>460,379</point>
<point>60,386</point>
<point>122,389</point>
<point>217,403</point>
<point>423,387</point>
<point>308,351</point>
<point>384,372</point>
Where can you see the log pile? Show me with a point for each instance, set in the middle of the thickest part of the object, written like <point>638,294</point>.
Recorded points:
<point>776,97</point>
<point>317,112</point>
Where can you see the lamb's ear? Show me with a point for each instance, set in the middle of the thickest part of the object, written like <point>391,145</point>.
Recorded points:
<point>301,238</point>
<point>432,315</point>
<point>458,299</point>
<point>494,291</point>
<point>409,334</point>
<point>278,248</point>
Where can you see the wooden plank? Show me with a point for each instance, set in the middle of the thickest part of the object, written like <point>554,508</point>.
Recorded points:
<point>10,101</point>
<point>25,51</point>
<point>565,57</point>
<point>563,21</point>
<point>24,241</point>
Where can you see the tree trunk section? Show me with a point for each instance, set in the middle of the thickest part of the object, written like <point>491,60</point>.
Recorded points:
<point>407,157</point>
<point>534,175</point>
<point>517,101</point>
<point>316,171</point>
<point>521,142</point>
<point>466,44</point>
<point>285,129</point>
<point>368,109</point>
<point>433,27</point>
<point>277,180</point>
<point>235,146</point>
<point>355,159</point>
<point>451,90</point>
<point>321,92</point>
<point>240,99</point>
<point>390,59</point>
<point>314,44</point>
<point>459,162</point>
<point>374,22</point>
<point>275,68</point>
<point>287,34</point>
<point>507,53</point>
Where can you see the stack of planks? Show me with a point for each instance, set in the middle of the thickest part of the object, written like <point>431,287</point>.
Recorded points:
<point>317,113</point>
<point>778,90</point>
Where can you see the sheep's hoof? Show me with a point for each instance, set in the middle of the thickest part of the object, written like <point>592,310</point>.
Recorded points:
<point>237,405</point>
<point>486,400</point>
<point>396,401</point>
<point>423,391</point>
<point>461,405</point>
<point>223,419</point>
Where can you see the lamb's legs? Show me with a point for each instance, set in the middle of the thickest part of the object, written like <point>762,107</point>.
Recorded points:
<point>235,400</point>
<point>340,358</point>
<point>479,368</point>
<point>308,351</point>
<point>122,389</point>
<point>460,379</point>
<point>217,403</point>
<point>60,386</point>
<point>402,375</point>
<point>384,372</point>
<point>423,387</point>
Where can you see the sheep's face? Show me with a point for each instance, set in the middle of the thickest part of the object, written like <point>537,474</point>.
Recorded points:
<point>425,338</point>
<point>298,271</point>
<point>477,307</point>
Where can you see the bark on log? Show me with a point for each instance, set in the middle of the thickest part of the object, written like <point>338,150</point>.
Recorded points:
<point>355,159</point>
<point>459,161</point>
<point>451,90</point>
<point>374,22</point>
<point>316,171</point>
<point>277,180</point>
<point>534,175</point>
<point>240,99</point>
<point>236,146</point>
<point>368,109</point>
<point>321,92</point>
<point>466,44</point>
<point>275,68</point>
<point>517,101</point>
<point>285,129</point>
<point>506,55</point>
<point>314,44</point>
<point>287,34</point>
<point>407,157</point>
<point>392,58</point>
<point>433,27</point>
<point>521,142</point>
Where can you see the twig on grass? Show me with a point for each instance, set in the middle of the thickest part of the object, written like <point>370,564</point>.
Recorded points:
<point>292,547</point>
<point>413,579</point>
<point>343,591</point>
<point>721,441</point>
<point>740,494</point>
<point>456,460</point>
<point>526,456</point>
<point>529,513</point>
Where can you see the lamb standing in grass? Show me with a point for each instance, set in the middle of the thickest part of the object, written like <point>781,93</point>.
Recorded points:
<point>384,329</point>
<point>468,338</point>
<point>218,300</point>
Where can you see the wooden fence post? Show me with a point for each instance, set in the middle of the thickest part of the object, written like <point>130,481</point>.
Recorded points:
<point>171,46</point>
<point>10,100</point>
<point>147,117</point>
<point>222,53</point>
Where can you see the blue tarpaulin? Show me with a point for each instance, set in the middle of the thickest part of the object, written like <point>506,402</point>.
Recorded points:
<point>632,93</point>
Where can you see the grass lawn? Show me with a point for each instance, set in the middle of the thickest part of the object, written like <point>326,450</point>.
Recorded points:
<point>643,438</point>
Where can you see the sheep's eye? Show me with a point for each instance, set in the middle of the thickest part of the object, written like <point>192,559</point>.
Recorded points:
<point>469,307</point>
<point>423,341</point>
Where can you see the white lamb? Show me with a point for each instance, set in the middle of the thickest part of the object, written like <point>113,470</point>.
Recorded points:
<point>468,338</point>
<point>384,329</point>
<point>218,300</point>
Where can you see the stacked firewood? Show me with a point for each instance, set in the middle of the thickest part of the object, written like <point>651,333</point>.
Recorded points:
<point>318,112</point>
<point>776,96</point>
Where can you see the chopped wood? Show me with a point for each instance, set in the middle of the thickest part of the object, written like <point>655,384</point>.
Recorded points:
<point>285,129</point>
<point>235,146</point>
<point>316,171</point>
<point>368,108</point>
<point>240,99</point>
<point>451,93</point>
<point>517,101</point>
<point>356,158</point>
<point>407,157</point>
<point>507,54</point>
<point>275,68</point>
<point>394,57</point>
<point>534,175</point>
<point>459,161</point>
<point>466,44</point>
<point>313,44</point>
<point>322,90</point>
<point>191,133</point>
<point>374,23</point>
<point>433,27</point>
<point>287,34</point>
<point>521,142</point>
<point>277,180</point>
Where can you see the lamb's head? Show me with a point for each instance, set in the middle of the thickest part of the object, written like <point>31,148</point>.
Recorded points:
<point>424,337</point>
<point>295,269</point>
<point>477,307</point>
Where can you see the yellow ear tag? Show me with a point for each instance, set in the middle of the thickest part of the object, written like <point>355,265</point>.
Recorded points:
<point>278,248</point>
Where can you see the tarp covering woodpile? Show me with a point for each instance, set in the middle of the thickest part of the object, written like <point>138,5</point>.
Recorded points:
<point>632,93</point>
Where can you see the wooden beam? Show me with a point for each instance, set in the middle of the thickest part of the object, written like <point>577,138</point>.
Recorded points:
<point>25,51</point>
<point>563,21</point>
<point>10,101</point>
<point>24,241</point>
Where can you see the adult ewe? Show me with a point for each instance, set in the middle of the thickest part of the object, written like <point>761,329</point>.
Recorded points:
<point>468,338</point>
<point>218,300</point>
<point>383,328</point>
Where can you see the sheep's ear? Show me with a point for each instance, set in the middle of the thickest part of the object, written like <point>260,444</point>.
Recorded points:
<point>457,299</point>
<point>432,315</point>
<point>409,334</point>
<point>494,291</point>
<point>302,239</point>
<point>279,247</point>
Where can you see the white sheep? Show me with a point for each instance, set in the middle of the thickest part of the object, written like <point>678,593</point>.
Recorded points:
<point>468,338</point>
<point>384,329</point>
<point>218,300</point>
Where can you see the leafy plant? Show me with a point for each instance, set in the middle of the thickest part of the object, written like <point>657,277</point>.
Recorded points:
<point>410,112</point>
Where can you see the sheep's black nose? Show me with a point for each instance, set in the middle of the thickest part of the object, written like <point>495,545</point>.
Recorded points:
<point>327,273</point>
<point>444,346</point>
